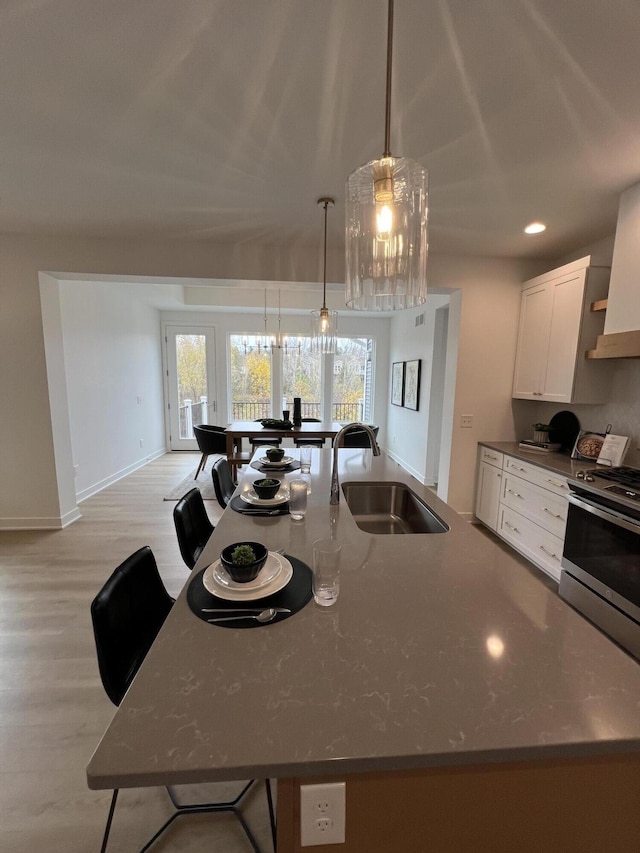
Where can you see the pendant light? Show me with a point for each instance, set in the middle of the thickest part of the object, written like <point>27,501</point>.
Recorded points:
<point>324,323</point>
<point>386,225</point>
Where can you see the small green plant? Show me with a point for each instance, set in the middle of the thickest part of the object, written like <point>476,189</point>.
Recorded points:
<point>541,427</point>
<point>243,555</point>
<point>268,482</point>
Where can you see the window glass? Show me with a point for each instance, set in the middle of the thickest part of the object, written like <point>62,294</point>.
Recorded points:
<point>302,377</point>
<point>250,364</point>
<point>352,380</point>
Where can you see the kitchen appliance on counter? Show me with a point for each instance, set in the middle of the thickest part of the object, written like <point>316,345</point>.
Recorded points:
<point>600,574</point>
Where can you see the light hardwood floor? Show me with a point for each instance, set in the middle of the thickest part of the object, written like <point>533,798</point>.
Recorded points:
<point>53,709</point>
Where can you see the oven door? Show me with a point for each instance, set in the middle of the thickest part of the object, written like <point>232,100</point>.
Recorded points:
<point>602,550</point>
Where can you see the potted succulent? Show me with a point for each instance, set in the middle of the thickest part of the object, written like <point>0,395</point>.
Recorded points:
<point>243,560</point>
<point>541,433</point>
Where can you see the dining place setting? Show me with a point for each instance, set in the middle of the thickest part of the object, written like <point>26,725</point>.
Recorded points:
<point>249,586</point>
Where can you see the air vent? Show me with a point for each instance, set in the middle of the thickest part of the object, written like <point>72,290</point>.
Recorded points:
<point>420,320</point>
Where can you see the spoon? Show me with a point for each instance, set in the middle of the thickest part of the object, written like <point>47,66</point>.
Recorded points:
<point>265,616</point>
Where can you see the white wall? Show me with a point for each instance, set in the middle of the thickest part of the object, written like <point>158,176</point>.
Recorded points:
<point>407,430</point>
<point>112,357</point>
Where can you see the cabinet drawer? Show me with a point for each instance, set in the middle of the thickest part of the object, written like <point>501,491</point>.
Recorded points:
<point>556,483</point>
<point>492,457</point>
<point>540,505</point>
<point>532,541</point>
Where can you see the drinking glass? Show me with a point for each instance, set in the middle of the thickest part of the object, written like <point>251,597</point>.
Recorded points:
<point>305,458</point>
<point>297,499</point>
<point>326,571</point>
<point>285,414</point>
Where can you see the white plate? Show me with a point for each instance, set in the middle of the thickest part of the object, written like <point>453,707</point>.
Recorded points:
<point>286,460</point>
<point>251,497</point>
<point>249,592</point>
<point>267,573</point>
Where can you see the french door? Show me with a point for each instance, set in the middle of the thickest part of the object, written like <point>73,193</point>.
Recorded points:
<point>190,382</point>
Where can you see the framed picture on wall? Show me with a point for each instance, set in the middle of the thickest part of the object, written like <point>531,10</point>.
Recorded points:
<point>412,384</point>
<point>397,383</point>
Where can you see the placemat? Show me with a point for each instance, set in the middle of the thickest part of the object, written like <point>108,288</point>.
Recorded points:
<point>269,469</point>
<point>253,509</point>
<point>294,596</point>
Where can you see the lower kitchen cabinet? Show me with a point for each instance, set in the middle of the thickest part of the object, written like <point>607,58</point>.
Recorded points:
<point>526,506</point>
<point>489,486</point>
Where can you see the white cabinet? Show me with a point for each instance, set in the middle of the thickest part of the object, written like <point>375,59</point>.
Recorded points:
<point>489,486</point>
<point>557,327</point>
<point>529,510</point>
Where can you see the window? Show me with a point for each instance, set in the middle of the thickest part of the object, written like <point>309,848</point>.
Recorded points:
<point>250,378</point>
<point>302,377</point>
<point>338,388</point>
<point>352,375</point>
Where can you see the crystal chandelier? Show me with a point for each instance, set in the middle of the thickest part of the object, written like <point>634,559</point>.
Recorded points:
<point>324,323</point>
<point>386,225</point>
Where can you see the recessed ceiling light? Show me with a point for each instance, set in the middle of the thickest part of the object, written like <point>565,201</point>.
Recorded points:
<point>535,228</point>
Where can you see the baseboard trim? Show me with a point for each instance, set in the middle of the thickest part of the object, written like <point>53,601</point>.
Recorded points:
<point>53,523</point>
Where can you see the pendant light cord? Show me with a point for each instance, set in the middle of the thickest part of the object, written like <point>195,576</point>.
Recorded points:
<point>324,264</point>
<point>387,121</point>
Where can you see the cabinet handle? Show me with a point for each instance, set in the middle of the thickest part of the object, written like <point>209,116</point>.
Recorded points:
<point>554,514</point>
<point>489,456</point>
<point>511,527</point>
<point>548,552</point>
<point>515,494</point>
<point>517,468</point>
<point>557,483</point>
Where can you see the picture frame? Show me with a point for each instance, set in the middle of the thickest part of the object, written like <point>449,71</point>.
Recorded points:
<point>412,384</point>
<point>397,383</point>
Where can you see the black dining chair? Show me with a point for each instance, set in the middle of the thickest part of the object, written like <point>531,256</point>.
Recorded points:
<point>313,442</point>
<point>359,437</point>
<point>264,442</point>
<point>127,615</point>
<point>193,526</point>
<point>223,484</point>
<point>211,439</point>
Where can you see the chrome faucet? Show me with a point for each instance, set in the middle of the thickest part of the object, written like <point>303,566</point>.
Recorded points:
<point>335,485</point>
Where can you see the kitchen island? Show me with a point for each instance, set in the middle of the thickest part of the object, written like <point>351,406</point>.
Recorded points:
<point>466,706</point>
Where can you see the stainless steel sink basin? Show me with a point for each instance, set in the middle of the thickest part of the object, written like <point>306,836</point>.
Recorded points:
<point>385,508</point>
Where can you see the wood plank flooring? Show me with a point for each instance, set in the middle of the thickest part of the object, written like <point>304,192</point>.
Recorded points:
<point>53,709</point>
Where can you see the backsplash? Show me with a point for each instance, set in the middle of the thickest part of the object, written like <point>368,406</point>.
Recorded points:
<point>622,412</point>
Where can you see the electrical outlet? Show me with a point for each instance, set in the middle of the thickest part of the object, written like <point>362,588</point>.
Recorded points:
<point>466,421</point>
<point>141,442</point>
<point>322,814</point>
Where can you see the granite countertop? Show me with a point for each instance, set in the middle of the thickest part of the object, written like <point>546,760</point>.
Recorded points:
<point>441,650</point>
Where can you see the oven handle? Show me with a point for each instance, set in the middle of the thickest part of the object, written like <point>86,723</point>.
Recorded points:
<point>608,515</point>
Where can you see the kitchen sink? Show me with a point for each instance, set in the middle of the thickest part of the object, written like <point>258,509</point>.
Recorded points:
<point>390,508</point>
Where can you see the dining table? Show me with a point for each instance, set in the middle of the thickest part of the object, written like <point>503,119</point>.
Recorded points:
<point>239,430</point>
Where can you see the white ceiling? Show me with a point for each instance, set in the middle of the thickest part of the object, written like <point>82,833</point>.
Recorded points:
<point>226,119</point>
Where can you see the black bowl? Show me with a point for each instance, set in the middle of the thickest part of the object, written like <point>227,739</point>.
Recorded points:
<point>275,454</point>
<point>244,574</point>
<point>266,487</point>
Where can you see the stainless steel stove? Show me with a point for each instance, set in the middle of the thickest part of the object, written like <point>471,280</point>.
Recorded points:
<point>600,573</point>
<point>627,480</point>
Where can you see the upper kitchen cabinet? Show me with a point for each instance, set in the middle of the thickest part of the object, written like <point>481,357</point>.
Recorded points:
<point>557,327</point>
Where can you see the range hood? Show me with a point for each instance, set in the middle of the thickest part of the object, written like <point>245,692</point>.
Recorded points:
<point>621,338</point>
